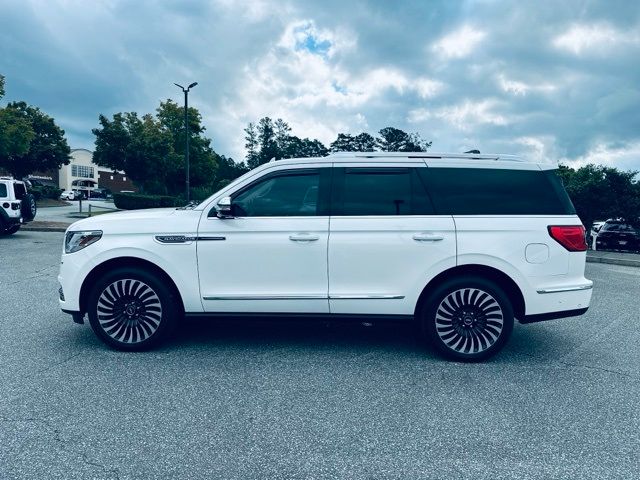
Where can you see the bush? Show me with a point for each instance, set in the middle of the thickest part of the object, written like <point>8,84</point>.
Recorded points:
<point>135,201</point>
<point>45,191</point>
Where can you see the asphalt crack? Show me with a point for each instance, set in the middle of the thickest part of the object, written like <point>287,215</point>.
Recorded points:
<point>65,445</point>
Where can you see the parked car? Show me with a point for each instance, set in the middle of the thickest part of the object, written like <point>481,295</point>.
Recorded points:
<point>593,232</point>
<point>101,192</point>
<point>618,235</point>
<point>460,244</point>
<point>17,205</point>
<point>69,195</point>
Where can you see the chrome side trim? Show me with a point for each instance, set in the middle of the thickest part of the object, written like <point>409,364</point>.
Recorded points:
<point>303,297</point>
<point>265,297</point>
<point>366,297</point>
<point>575,288</point>
<point>217,239</point>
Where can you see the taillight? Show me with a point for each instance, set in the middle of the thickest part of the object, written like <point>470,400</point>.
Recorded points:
<point>570,237</point>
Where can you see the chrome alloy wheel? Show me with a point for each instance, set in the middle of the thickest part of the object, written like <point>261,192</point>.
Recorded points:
<point>469,320</point>
<point>129,311</point>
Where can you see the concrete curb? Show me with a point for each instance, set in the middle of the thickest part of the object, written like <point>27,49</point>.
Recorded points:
<point>626,262</point>
<point>42,229</point>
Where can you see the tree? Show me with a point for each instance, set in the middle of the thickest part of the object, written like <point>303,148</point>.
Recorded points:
<point>344,143</point>
<point>151,150</point>
<point>21,126</point>
<point>395,140</point>
<point>267,141</point>
<point>252,145</point>
<point>202,158</point>
<point>599,192</point>
<point>365,143</point>
<point>1,86</point>
<point>228,170</point>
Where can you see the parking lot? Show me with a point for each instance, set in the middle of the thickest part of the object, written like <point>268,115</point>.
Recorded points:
<point>238,399</point>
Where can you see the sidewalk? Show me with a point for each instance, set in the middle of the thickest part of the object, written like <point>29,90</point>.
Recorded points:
<point>614,258</point>
<point>57,219</point>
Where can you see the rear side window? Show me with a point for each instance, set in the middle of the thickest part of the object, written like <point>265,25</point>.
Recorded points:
<point>3,190</point>
<point>19,190</point>
<point>381,191</point>
<point>480,191</point>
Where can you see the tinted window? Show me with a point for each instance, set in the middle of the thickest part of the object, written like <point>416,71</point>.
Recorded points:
<point>481,191</point>
<point>3,190</point>
<point>383,191</point>
<point>19,190</point>
<point>290,194</point>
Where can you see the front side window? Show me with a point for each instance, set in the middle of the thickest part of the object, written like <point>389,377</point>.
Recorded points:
<point>383,191</point>
<point>281,195</point>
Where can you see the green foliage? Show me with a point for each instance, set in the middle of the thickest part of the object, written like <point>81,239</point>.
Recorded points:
<point>151,150</point>
<point>135,201</point>
<point>599,192</point>
<point>269,139</point>
<point>1,86</point>
<point>345,142</point>
<point>30,141</point>
<point>45,191</point>
<point>395,140</point>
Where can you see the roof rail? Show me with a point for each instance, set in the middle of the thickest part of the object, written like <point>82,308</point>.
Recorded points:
<point>470,156</point>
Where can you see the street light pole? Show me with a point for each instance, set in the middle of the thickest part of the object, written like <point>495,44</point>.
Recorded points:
<point>186,128</point>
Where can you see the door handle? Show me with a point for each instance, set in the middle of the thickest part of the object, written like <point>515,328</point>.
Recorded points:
<point>428,237</point>
<point>303,237</point>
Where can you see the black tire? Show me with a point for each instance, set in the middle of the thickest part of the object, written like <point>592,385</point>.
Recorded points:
<point>12,229</point>
<point>467,319</point>
<point>28,208</point>
<point>131,309</point>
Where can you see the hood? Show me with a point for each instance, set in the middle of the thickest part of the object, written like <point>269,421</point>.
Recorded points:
<point>167,220</point>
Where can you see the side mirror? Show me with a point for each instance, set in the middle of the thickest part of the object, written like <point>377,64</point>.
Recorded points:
<point>224,209</point>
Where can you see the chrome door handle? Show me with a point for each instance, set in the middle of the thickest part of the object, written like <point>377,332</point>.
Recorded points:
<point>303,237</point>
<point>428,237</point>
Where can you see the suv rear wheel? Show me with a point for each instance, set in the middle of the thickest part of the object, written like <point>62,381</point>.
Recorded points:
<point>468,319</point>
<point>130,309</point>
<point>11,230</point>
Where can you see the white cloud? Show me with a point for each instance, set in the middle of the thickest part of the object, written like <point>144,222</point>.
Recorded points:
<point>621,156</point>
<point>468,114</point>
<point>516,87</point>
<point>459,43</point>
<point>301,80</point>
<point>595,38</point>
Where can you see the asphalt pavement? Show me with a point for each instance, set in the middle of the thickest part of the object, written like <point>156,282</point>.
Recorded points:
<point>258,400</point>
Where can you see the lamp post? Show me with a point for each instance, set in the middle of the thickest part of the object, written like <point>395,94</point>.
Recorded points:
<point>186,128</point>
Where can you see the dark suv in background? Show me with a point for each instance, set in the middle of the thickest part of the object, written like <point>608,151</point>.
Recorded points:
<point>619,235</point>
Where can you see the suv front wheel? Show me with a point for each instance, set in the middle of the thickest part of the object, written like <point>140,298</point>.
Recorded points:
<point>130,309</point>
<point>468,319</point>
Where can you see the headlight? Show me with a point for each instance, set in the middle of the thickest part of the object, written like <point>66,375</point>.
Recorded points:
<point>75,241</point>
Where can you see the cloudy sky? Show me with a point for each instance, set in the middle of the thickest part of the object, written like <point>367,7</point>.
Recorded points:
<point>554,80</point>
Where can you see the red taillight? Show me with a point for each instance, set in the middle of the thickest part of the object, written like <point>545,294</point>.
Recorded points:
<point>570,237</point>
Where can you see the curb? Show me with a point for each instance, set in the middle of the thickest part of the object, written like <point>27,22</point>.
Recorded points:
<point>626,262</point>
<point>43,229</point>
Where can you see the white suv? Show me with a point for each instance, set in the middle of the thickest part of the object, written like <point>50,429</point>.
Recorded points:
<point>17,206</point>
<point>463,244</point>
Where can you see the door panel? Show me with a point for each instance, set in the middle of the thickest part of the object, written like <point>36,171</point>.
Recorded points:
<point>376,266</point>
<point>384,239</point>
<point>261,267</point>
<point>272,255</point>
